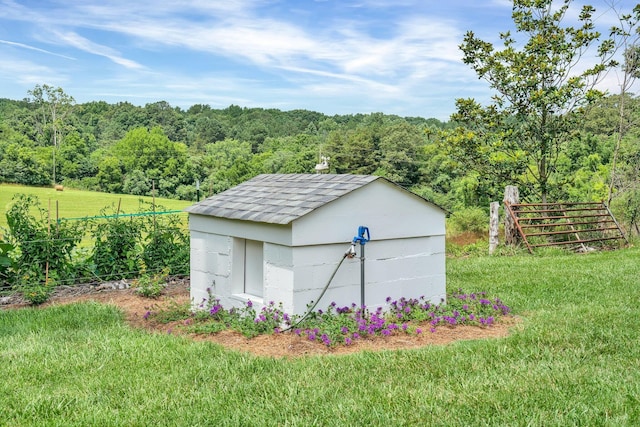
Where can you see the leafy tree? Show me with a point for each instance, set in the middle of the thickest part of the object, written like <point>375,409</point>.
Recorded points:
<point>208,129</point>
<point>538,86</point>
<point>170,119</point>
<point>152,153</point>
<point>401,150</point>
<point>292,154</point>
<point>74,158</point>
<point>110,174</point>
<point>24,165</point>
<point>226,163</point>
<point>629,32</point>
<point>53,106</point>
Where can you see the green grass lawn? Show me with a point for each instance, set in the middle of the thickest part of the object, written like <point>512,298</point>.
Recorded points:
<point>574,359</point>
<point>77,203</point>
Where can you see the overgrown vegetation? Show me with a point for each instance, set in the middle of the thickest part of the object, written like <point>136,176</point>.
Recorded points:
<point>39,252</point>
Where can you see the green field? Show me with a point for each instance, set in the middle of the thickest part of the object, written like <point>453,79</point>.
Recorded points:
<point>77,203</point>
<point>573,359</point>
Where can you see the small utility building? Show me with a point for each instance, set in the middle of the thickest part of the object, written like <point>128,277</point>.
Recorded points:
<point>280,238</point>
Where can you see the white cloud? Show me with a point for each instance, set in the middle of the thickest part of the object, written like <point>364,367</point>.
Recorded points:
<point>23,72</point>
<point>75,40</point>
<point>28,47</point>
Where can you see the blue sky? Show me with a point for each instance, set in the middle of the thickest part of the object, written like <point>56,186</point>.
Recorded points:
<point>336,57</point>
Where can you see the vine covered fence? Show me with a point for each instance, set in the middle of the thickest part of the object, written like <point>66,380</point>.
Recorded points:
<point>38,252</point>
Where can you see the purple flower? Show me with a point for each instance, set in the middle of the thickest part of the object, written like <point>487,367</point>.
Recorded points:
<point>146,315</point>
<point>418,331</point>
<point>344,330</point>
<point>249,304</point>
<point>347,341</point>
<point>433,330</point>
<point>404,326</point>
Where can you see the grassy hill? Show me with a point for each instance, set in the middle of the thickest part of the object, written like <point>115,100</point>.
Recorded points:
<point>78,203</point>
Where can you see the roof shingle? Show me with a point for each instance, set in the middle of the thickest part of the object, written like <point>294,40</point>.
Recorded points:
<point>279,198</point>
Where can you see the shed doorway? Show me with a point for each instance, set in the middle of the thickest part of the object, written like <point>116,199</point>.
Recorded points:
<point>248,268</point>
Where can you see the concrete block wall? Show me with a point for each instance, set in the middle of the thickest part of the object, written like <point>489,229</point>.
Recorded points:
<point>210,265</point>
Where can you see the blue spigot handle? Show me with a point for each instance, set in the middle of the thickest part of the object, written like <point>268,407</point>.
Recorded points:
<point>363,235</point>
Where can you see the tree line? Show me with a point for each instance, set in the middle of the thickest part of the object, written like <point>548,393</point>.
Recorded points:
<point>547,130</point>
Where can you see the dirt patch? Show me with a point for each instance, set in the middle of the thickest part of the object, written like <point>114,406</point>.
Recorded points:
<point>285,344</point>
<point>465,238</point>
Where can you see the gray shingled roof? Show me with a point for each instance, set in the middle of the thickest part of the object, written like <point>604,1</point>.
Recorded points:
<point>279,198</point>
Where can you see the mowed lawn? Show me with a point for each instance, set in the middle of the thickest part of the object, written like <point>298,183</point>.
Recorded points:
<point>573,359</point>
<point>72,203</point>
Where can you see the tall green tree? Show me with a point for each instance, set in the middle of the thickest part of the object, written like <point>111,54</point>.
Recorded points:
<point>53,106</point>
<point>629,34</point>
<point>151,153</point>
<point>539,85</point>
<point>401,152</point>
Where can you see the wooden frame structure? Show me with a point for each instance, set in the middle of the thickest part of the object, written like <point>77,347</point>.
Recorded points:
<point>553,224</point>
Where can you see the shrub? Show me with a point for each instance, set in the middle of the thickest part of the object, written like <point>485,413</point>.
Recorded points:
<point>42,249</point>
<point>166,244</point>
<point>6,263</point>
<point>470,219</point>
<point>115,254</point>
<point>34,291</point>
<point>151,286</point>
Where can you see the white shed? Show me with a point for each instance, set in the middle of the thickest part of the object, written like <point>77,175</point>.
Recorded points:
<point>280,237</point>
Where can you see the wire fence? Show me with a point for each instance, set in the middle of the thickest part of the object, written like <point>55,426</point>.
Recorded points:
<point>108,247</point>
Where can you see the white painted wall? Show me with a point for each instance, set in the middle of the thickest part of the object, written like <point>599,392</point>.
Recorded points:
<point>389,212</point>
<point>408,268</point>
